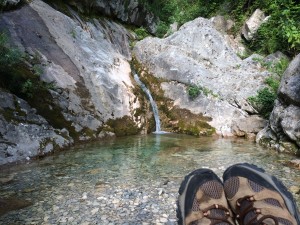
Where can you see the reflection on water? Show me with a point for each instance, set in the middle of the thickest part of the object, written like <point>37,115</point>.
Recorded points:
<point>138,159</point>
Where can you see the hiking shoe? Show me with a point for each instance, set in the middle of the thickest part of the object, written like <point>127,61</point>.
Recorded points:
<point>258,198</point>
<point>202,200</point>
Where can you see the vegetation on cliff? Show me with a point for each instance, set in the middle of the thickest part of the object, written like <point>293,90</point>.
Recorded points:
<point>281,31</point>
<point>264,101</point>
<point>19,72</point>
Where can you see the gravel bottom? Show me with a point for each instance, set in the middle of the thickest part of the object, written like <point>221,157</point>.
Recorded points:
<point>104,203</point>
<point>122,184</point>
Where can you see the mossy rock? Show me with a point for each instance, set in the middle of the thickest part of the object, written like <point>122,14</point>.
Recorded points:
<point>192,124</point>
<point>123,126</point>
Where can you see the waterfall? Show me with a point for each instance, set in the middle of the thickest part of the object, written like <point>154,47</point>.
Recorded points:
<point>152,102</point>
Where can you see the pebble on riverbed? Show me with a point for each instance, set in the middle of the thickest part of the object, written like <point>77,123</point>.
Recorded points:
<point>103,203</point>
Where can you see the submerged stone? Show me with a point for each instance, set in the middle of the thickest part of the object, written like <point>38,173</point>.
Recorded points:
<point>11,204</point>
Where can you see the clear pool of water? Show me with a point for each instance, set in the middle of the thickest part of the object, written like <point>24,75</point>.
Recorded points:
<point>134,160</point>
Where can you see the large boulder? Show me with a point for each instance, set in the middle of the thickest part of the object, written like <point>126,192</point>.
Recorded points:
<point>285,118</point>
<point>251,26</point>
<point>289,90</point>
<point>197,54</point>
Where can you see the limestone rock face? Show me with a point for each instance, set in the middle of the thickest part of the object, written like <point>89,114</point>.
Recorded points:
<point>285,117</point>
<point>223,25</point>
<point>253,23</point>
<point>197,54</point>
<point>88,63</point>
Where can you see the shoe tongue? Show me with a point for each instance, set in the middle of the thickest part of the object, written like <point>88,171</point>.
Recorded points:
<point>218,213</point>
<point>250,215</point>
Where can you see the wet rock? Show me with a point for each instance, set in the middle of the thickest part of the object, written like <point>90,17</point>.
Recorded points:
<point>10,204</point>
<point>252,124</point>
<point>7,179</point>
<point>106,134</point>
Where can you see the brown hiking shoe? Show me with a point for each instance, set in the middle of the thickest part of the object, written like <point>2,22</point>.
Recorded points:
<point>202,200</point>
<point>258,198</point>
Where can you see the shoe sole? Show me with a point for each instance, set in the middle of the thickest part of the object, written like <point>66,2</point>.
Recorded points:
<point>270,182</point>
<point>180,213</point>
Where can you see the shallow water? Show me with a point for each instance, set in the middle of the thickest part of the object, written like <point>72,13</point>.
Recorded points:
<point>58,185</point>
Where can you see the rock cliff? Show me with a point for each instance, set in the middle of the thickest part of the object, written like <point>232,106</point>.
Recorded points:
<point>88,63</point>
<point>283,130</point>
<point>130,12</point>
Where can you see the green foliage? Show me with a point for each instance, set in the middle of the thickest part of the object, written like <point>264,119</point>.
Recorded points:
<point>279,67</point>
<point>9,56</point>
<point>2,5</point>
<point>264,101</point>
<point>123,126</point>
<point>73,33</point>
<point>244,54</point>
<point>282,30</point>
<point>16,76</point>
<point>28,88</point>
<point>273,83</point>
<point>141,33</point>
<point>180,11</point>
<point>195,90</point>
<point>37,70</point>
<point>162,29</point>
<point>280,33</point>
<point>32,87</point>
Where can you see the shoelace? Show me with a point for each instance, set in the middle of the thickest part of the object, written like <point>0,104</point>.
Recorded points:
<point>241,213</point>
<point>207,212</point>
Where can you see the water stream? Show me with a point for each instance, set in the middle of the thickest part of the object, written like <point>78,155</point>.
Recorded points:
<point>152,102</point>
<point>130,180</point>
